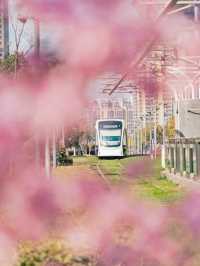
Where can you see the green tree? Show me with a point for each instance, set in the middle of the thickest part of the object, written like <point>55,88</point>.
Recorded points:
<point>170,128</point>
<point>159,134</point>
<point>8,64</point>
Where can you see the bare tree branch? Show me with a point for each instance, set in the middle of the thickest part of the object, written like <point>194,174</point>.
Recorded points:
<point>28,50</point>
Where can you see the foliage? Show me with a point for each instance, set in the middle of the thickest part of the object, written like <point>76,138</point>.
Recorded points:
<point>159,133</point>
<point>73,137</point>
<point>52,252</point>
<point>8,64</point>
<point>171,128</point>
<point>147,132</point>
<point>81,138</point>
<point>62,158</point>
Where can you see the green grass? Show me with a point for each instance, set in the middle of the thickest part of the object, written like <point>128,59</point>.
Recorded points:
<point>158,187</point>
<point>85,160</point>
<point>113,168</point>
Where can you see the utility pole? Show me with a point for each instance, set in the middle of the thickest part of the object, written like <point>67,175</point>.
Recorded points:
<point>37,37</point>
<point>47,156</point>
<point>196,13</point>
<point>47,137</point>
<point>150,140</point>
<point>54,148</point>
<point>135,139</point>
<point>163,164</point>
<point>141,140</point>
<point>145,133</point>
<point>155,131</point>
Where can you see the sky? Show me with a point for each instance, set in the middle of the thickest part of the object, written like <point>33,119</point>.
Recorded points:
<point>47,42</point>
<point>27,38</point>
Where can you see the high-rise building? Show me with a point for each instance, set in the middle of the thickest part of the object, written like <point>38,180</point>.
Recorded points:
<point>113,109</point>
<point>4,29</point>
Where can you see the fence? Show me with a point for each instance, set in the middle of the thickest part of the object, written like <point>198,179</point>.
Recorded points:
<point>183,156</point>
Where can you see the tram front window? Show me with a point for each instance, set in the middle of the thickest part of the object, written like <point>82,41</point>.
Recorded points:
<point>110,138</point>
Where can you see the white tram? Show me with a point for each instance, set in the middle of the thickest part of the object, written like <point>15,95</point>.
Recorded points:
<point>111,138</point>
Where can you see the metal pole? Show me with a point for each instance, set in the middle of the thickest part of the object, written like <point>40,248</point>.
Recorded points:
<point>54,149</point>
<point>163,164</point>
<point>138,140</point>
<point>196,13</point>
<point>141,140</point>
<point>63,137</point>
<point>37,152</point>
<point>155,133</point>
<point>196,20</point>
<point>145,133</point>
<point>37,54</point>
<point>150,137</point>
<point>47,156</point>
<point>135,141</point>
<point>47,140</point>
<point>37,37</point>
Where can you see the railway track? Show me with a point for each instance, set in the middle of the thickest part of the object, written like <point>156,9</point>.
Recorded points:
<point>97,169</point>
<point>109,176</point>
<point>109,171</point>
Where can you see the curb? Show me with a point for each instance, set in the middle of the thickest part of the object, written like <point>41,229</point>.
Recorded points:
<point>183,181</point>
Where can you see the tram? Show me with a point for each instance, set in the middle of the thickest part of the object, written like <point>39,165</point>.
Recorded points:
<point>111,138</point>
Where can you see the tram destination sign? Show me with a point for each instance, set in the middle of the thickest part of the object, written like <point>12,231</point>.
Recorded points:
<point>110,125</point>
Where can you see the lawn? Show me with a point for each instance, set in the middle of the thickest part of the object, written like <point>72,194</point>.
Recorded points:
<point>85,160</point>
<point>158,187</point>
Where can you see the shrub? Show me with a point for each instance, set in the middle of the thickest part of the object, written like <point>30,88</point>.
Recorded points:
<point>63,159</point>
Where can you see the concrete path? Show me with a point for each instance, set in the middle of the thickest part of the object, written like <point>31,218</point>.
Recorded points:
<point>185,182</point>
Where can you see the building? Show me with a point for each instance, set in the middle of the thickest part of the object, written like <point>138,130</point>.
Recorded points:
<point>4,29</point>
<point>113,109</point>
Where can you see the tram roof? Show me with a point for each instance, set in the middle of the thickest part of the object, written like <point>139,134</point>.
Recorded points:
<point>111,119</point>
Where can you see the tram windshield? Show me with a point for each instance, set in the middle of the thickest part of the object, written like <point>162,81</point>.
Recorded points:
<point>110,133</point>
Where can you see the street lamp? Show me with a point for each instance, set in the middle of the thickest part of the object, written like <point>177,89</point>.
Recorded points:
<point>154,113</point>
<point>143,140</point>
<point>163,138</point>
